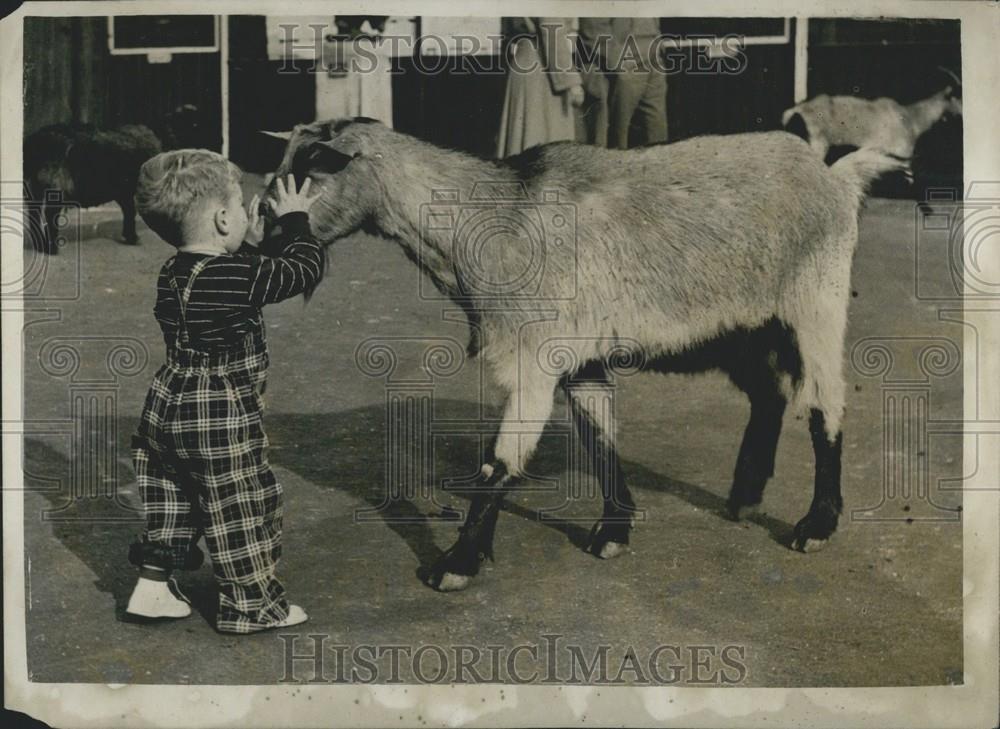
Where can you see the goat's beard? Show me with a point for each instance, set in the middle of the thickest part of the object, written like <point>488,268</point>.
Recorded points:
<point>308,293</point>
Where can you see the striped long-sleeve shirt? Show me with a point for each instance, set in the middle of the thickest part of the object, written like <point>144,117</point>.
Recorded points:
<point>227,296</point>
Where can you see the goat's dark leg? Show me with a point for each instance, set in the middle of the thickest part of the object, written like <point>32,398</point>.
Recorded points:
<point>590,396</point>
<point>460,563</point>
<point>820,523</point>
<point>50,237</point>
<point>34,229</point>
<point>755,463</point>
<point>128,220</point>
<point>525,415</point>
<point>821,343</point>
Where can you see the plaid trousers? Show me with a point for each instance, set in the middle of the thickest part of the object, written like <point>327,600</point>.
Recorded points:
<point>201,467</point>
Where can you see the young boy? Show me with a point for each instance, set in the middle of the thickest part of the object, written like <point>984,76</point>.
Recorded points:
<point>199,448</point>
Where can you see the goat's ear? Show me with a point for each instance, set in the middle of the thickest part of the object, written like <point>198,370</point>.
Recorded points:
<point>322,156</point>
<point>340,144</point>
<point>347,144</point>
<point>277,135</point>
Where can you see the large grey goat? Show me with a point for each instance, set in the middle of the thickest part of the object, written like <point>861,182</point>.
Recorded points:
<point>883,123</point>
<point>728,252</point>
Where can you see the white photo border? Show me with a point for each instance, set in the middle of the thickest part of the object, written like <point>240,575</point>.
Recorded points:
<point>975,703</point>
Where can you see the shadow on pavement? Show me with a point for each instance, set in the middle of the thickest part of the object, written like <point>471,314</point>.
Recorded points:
<point>343,451</point>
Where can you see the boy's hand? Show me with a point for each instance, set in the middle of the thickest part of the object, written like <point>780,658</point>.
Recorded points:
<point>290,201</point>
<point>255,228</point>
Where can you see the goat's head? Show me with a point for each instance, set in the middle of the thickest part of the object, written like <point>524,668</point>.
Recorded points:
<point>953,101</point>
<point>952,93</point>
<point>344,157</point>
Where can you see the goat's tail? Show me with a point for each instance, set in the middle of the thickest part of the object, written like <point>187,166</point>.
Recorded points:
<point>861,168</point>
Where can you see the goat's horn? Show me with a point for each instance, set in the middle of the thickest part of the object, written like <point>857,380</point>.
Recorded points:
<point>954,77</point>
<point>277,135</point>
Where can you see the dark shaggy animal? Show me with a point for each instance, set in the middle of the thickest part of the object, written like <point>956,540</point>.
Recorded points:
<point>730,253</point>
<point>79,163</point>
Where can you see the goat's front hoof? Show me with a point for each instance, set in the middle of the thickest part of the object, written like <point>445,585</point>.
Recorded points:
<point>129,241</point>
<point>450,582</point>
<point>443,580</point>
<point>455,568</point>
<point>610,539</point>
<point>815,529</point>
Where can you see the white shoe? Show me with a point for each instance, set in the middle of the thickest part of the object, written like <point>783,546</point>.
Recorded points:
<point>296,616</point>
<point>153,600</point>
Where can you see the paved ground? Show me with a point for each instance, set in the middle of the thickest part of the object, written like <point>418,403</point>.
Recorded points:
<point>882,605</point>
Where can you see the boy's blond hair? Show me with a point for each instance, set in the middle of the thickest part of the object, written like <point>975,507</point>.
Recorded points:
<point>174,185</point>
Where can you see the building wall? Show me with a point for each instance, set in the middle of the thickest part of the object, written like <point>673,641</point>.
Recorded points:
<point>71,76</point>
<point>64,62</point>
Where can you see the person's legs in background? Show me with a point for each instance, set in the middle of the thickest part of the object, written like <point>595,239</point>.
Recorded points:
<point>592,117</point>
<point>625,91</point>
<point>651,112</point>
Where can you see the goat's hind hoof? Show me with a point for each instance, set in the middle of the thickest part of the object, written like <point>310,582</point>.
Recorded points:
<point>814,531</point>
<point>612,549</point>
<point>743,512</point>
<point>809,545</point>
